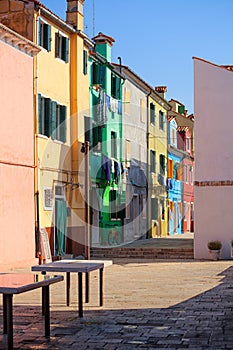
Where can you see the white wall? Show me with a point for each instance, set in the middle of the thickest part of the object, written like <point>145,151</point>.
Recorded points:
<point>213,128</point>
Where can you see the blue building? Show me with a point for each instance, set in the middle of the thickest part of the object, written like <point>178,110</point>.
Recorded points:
<point>174,181</point>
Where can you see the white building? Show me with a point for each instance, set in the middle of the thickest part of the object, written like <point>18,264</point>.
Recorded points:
<point>213,110</point>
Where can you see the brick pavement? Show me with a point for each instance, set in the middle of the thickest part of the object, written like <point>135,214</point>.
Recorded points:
<point>148,305</point>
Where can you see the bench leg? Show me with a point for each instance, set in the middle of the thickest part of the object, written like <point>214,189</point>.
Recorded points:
<point>8,319</point>
<point>87,287</point>
<point>101,287</point>
<point>68,288</point>
<point>45,294</point>
<point>80,294</point>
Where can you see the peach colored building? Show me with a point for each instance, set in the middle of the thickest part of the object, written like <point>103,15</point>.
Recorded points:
<point>213,190</point>
<point>17,238</point>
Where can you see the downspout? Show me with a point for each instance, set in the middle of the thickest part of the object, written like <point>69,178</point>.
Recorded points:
<point>36,176</point>
<point>148,216</point>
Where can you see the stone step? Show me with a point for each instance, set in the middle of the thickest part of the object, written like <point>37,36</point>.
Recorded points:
<point>142,253</point>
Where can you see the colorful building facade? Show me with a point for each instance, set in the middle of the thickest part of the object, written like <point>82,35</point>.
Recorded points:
<point>134,145</point>
<point>17,241</point>
<point>181,169</point>
<point>157,120</point>
<point>61,95</point>
<point>105,134</point>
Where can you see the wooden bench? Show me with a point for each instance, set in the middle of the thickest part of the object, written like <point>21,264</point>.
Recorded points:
<point>13,283</point>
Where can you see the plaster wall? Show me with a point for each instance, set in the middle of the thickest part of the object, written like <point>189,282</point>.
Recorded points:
<point>213,91</point>
<point>17,238</point>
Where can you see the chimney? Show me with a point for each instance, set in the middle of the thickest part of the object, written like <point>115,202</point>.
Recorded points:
<point>161,90</point>
<point>74,14</point>
<point>103,44</point>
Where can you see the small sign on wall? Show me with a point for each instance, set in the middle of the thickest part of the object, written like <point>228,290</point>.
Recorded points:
<point>45,247</point>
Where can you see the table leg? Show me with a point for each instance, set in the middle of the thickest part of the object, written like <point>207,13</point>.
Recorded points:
<point>87,287</point>
<point>80,294</point>
<point>4,315</point>
<point>7,312</point>
<point>68,288</point>
<point>101,287</point>
<point>45,292</point>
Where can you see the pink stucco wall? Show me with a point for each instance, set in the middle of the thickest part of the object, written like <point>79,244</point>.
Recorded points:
<point>213,92</point>
<point>17,246</point>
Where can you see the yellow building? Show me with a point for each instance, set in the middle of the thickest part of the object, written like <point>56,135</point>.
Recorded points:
<point>61,100</point>
<point>157,162</point>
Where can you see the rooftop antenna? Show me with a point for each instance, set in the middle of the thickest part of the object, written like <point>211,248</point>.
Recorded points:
<point>93,17</point>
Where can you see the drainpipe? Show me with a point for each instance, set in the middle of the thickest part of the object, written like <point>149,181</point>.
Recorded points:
<point>147,164</point>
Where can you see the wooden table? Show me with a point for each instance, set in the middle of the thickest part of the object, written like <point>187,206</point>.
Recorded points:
<point>80,267</point>
<point>13,283</point>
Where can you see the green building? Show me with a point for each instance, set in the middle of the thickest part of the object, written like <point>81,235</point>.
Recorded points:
<point>104,131</point>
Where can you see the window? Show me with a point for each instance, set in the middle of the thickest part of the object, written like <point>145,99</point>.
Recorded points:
<point>60,127</point>
<point>113,145</point>
<point>113,204</point>
<point>161,120</point>
<point>154,208</point>
<point>188,144</point>
<point>51,119</point>
<point>97,138</point>
<point>152,113</point>
<point>98,74</point>
<point>162,164</point>
<point>179,171</point>
<point>191,175</point>
<point>173,137</point>
<point>144,206</point>
<point>170,169</point>
<point>181,109</point>
<point>61,47</point>
<point>84,62</point>
<point>152,161</point>
<point>126,100</point>
<point>127,153</point>
<point>186,175</point>
<point>128,202</point>
<point>142,111</point>
<point>116,87</point>
<point>44,35</point>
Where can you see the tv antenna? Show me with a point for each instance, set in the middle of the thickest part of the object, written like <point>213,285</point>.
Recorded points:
<point>93,18</point>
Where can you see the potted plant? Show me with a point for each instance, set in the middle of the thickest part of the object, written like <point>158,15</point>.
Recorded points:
<point>214,249</point>
<point>231,248</point>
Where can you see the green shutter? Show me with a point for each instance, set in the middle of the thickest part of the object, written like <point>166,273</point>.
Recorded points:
<point>181,109</point>
<point>57,37</point>
<point>118,88</point>
<point>65,49</point>
<point>48,37</point>
<point>53,120</point>
<point>95,73</point>
<point>47,130</point>
<point>84,62</point>
<point>39,114</point>
<point>39,32</point>
<point>63,112</point>
<point>102,76</point>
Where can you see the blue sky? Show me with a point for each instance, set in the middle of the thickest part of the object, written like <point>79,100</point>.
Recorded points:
<point>157,39</point>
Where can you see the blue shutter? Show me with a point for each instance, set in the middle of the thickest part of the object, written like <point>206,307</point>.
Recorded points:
<point>63,111</point>
<point>53,120</point>
<point>39,114</point>
<point>47,127</point>
<point>48,37</point>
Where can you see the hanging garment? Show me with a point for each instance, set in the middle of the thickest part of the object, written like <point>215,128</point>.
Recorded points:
<point>106,166</point>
